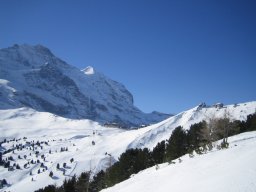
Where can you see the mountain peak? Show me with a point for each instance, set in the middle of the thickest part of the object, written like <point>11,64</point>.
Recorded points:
<point>88,70</point>
<point>44,82</point>
<point>39,48</point>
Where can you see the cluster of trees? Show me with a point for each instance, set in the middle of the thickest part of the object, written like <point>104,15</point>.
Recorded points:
<point>80,184</point>
<point>34,146</point>
<point>3,183</point>
<point>62,149</point>
<point>198,138</point>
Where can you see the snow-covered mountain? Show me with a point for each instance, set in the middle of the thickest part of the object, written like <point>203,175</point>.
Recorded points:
<point>31,76</point>
<point>78,136</point>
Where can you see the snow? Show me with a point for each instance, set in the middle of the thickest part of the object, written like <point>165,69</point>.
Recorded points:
<point>88,70</point>
<point>39,80</point>
<point>163,130</point>
<point>232,169</point>
<point>78,135</point>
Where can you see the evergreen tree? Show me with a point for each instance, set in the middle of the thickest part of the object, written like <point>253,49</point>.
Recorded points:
<point>249,124</point>
<point>7,164</point>
<point>177,144</point>
<point>69,185</point>
<point>1,159</point>
<point>51,174</point>
<point>158,153</point>
<point>82,184</point>
<point>49,188</point>
<point>4,182</point>
<point>98,182</point>
<point>11,158</point>
<point>197,136</point>
<point>130,162</point>
<point>17,166</point>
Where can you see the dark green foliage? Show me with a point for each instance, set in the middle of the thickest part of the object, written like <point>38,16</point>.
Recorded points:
<point>235,128</point>
<point>249,124</point>
<point>177,144</point>
<point>130,162</point>
<point>158,153</point>
<point>1,159</point>
<point>82,183</point>
<point>17,166</point>
<point>69,185</point>
<point>7,164</point>
<point>112,174</point>
<point>98,183</point>
<point>196,136</point>
<point>49,188</point>
<point>4,182</point>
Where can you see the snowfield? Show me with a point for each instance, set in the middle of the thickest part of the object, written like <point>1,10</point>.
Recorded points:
<point>55,132</point>
<point>232,169</point>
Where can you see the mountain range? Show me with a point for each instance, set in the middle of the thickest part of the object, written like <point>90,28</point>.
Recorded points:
<point>32,76</point>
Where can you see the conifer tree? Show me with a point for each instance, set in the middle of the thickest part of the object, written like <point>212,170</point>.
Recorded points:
<point>177,144</point>
<point>51,174</point>
<point>158,153</point>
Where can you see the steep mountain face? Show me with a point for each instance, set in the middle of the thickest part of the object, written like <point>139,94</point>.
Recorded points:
<point>32,76</point>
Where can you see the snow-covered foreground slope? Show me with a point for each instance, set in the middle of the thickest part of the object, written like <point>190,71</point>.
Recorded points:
<point>232,169</point>
<point>77,136</point>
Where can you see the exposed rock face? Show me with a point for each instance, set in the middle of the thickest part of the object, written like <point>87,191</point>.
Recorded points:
<point>32,76</point>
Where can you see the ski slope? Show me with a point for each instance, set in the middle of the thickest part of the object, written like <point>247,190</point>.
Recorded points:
<point>232,169</point>
<point>78,136</point>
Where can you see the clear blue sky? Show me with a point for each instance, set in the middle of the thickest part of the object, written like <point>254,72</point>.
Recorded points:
<point>171,55</point>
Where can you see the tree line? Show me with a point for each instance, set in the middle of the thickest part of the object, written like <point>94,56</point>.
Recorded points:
<point>199,138</point>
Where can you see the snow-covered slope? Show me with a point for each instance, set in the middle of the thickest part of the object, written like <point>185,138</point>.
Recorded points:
<point>31,76</point>
<point>232,169</point>
<point>78,136</point>
<point>58,132</point>
<point>162,131</point>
